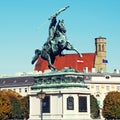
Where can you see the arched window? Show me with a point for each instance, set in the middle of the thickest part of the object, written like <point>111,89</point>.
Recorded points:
<point>70,103</point>
<point>46,104</point>
<point>99,47</point>
<point>103,48</point>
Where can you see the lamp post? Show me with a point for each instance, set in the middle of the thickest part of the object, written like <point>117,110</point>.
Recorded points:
<point>41,96</point>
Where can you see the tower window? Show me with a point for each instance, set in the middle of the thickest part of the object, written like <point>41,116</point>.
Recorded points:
<point>99,47</point>
<point>103,48</point>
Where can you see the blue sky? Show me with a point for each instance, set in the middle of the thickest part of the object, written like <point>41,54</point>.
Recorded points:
<point>24,27</point>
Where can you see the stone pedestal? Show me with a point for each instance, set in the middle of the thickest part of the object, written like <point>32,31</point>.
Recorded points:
<point>67,97</point>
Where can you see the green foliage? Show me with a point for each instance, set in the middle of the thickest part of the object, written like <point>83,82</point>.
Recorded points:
<point>111,106</point>
<point>16,112</point>
<point>94,108</point>
<point>5,106</point>
<point>25,106</point>
<point>13,106</point>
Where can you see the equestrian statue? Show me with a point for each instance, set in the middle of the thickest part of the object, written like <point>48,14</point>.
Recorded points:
<point>56,42</point>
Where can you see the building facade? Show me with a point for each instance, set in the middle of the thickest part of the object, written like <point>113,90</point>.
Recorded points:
<point>102,83</point>
<point>19,84</point>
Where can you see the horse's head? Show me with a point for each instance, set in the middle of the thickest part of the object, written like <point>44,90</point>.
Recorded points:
<point>61,27</point>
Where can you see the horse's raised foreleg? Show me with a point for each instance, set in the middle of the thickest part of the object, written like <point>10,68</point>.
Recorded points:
<point>70,47</point>
<point>80,55</point>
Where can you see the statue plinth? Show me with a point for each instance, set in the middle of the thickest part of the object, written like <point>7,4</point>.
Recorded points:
<point>59,79</point>
<point>66,96</point>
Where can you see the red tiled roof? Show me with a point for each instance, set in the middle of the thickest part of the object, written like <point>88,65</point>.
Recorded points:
<point>69,60</point>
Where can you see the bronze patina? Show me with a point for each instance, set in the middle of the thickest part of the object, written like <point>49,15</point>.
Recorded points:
<point>56,42</point>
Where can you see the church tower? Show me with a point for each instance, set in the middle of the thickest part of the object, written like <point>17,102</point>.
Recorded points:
<point>100,54</point>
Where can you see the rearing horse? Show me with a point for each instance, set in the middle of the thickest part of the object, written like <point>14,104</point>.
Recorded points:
<point>54,47</point>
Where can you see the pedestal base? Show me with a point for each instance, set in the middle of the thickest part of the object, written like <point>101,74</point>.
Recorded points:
<point>67,98</point>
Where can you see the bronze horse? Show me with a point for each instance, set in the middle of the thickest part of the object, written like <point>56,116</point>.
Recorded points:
<point>54,47</point>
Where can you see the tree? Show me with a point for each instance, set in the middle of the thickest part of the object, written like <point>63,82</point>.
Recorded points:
<point>14,99</point>
<point>94,108</point>
<point>13,106</point>
<point>5,106</point>
<point>25,107</point>
<point>111,106</point>
<point>16,111</point>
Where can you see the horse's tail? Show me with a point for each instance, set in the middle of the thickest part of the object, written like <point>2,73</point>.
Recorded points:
<point>37,54</point>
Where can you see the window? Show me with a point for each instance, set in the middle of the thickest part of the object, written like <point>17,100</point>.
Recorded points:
<point>82,104</point>
<point>70,103</point>
<point>97,88</point>
<point>107,88</point>
<point>46,104</point>
<point>14,90</point>
<point>19,90</point>
<point>103,48</point>
<point>99,47</point>
<point>97,95</point>
<point>118,88</point>
<point>25,89</point>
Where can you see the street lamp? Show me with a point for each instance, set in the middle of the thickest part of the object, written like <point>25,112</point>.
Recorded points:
<point>41,96</point>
